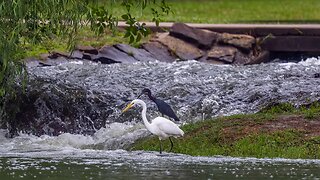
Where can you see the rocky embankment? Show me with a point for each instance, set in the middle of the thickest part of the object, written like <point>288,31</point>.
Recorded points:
<point>181,43</point>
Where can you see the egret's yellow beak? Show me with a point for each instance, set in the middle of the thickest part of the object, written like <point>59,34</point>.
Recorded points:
<point>127,108</point>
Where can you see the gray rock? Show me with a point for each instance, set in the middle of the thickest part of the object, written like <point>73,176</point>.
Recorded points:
<point>110,54</point>
<point>180,48</point>
<point>242,58</point>
<point>76,54</point>
<point>87,49</point>
<point>222,53</point>
<point>261,57</point>
<point>159,51</point>
<point>47,62</point>
<point>73,55</point>
<point>201,38</point>
<point>244,42</point>
<point>87,56</point>
<point>138,54</point>
<point>211,61</point>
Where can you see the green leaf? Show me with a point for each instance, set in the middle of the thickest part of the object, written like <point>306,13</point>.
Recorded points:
<point>127,34</point>
<point>131,39</point>
<point>125,17</point>
<point>138,37</point>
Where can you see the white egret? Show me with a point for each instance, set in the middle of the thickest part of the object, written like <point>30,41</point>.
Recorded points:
<point>160,126</point>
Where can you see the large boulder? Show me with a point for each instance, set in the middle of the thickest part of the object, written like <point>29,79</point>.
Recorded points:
<point>110,54</point>
<point>159,51</point>
<point>180,48</point>
<point>201,38</point>
<point>138,54</point>
<point>222,53</point>
<point>244,42</point>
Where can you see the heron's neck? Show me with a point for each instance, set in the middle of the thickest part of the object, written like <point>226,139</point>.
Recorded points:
<point>151,97</point>
<point>144,116</point>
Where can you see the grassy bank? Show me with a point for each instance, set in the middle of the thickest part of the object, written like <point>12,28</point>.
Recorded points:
<point>239,11</point>
<point>280,131</point>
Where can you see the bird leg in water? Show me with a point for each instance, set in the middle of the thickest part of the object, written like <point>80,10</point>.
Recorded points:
<point>160,146</point>
<point>171,144</point>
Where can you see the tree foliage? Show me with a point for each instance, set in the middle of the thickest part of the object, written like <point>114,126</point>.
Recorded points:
<point>34,21</point>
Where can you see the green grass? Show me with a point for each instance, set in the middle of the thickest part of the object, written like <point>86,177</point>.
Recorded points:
<point>239,11</point>
<point>238,136</point>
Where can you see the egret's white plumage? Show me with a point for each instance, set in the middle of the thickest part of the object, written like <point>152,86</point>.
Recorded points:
<point>160,126</point>
<point>164,128</point>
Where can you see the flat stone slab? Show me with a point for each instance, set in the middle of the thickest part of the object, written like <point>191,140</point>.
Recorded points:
<point>180,48</point>
<point>110,54</point>
<point>159,51</point>
<point>202,38</point>
<point>73,55</point>
<point>241,41</point>
<point>222,53</point>
<point>87,49</point>
<point>139,54</point>
<point>47,62</point>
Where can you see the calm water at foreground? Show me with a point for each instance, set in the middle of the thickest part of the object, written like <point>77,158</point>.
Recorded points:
<point>120,164</point>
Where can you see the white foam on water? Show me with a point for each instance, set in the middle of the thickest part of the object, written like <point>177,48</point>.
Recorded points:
<point>115,135</point>
<point>310,61</point>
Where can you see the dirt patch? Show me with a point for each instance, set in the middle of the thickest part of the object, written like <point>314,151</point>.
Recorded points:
<point>310,127</point>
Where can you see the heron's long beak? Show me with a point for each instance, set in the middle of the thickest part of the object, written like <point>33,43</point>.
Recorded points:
<point>127,108</point>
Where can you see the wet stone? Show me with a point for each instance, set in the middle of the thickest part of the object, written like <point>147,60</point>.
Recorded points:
<point>180,48</point>
<point>76,54</point>
<point>244,42</point>
<point>47,62</point>
<point>159,51</point>
<point>56,54</point>
<point>138,54</point>
<point>87,56</point>
<point>201,38</point>
<point>261,57</point>
<point>222,53</point>
<point>87,49</point>
<point>110,54</point>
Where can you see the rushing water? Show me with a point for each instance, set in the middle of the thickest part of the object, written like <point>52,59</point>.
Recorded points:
<point>83,97</point>
<point>197,91</point>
